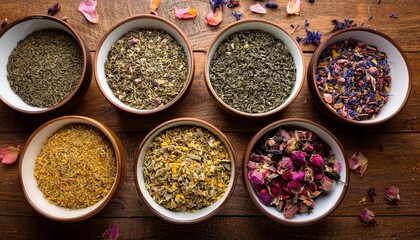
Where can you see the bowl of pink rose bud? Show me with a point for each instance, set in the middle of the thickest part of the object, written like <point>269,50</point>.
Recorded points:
<point>295,172</point>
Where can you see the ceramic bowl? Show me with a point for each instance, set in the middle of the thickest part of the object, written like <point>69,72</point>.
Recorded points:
<point>400,73</point>
<point>16,32</point>
<point>28,183</point>
<point>278,32</point>
<point>182,217</point>
<point>145,22</point>
<point>327,201</point>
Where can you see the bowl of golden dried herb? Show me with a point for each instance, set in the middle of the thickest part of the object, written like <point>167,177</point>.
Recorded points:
<point>359,76</point>
<point>254,68</point>
<point>185,170</point>
<point>71,167</point>
<point>295,171</point>
<point>144,65</point>
<point>45,66</point>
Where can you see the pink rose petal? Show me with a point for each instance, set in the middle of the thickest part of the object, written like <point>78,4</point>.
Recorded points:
<point>257,8</point>
<point>358,160</point>
<point>88,9</point>
<point>10,154</point>
<point>185,13</point>
<point>214,18</point>
<point>293,7</point>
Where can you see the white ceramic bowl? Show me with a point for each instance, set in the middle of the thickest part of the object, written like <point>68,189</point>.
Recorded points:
<point>182,217</point>
<point>400,74</point>
<point>328,201</point>
<point>16,32</point>
<point>28,183</point>
<point>278,32</point>
<point>146,22</point>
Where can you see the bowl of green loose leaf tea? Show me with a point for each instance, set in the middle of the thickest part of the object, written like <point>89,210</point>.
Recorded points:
<point>45,65</point>
<point>144,65</point>
<point>359,76</point>
<point>71,167</point>
<point>185,170</point>
<point>295,171</point>
<point>254,68</point>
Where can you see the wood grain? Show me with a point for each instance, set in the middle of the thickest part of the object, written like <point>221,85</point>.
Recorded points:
<point>403,30</point>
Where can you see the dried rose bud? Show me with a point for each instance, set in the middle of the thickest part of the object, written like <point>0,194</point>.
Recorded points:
<point>298,157</point>
<point>287,175</point>
<point>317,160</point>
<point>294,186</point>
<point>257,176</point>
<point>307,200</point>
<point>9,154</point>
<point>303,208</point>
<point>358,160</point>
<point>258,158</point>
<point>326,183</point>
<point>291,145</point>
<point>371,194</point>
<point>309,174</point>
<point>289,210</point>
<point>308,147</point>
<point>265,197</point>
<point>392,194</point>
<point>298,176</point>
<point>368,218</point>
<point>275,187</point>
<point>287,163</point>
<point>252,165</point>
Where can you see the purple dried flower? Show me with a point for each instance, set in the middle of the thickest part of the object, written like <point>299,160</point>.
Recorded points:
<point>155,83</point>
<point>258,158</point>
<point>156,102</point>
<point>371,194</point>
<point>298,158</point>
<point>265,197</point>
<point>293,186</point>
<point>289,210</point>
<point>257,176</point>
<point>392,194</point>
<point>370,17</point>
<point>276,186</point>
<point>237,15</point>
<point>215,4</point>
<point>111,234</point>
<point>311,36</point>
<point>392,15</point>
<point>368,218</point>
<point>343,25</point>
<point>252,165</point>
<point>326,183</point>
<point>53,9</point>
<point>134,41</point>
<point>271,5</point>
<point>4,23</point>
<point>298,176</point>
<point>317,160</point>
<point>287,163</point>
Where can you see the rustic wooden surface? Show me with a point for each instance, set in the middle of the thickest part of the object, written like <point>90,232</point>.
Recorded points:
<point>393,148</point>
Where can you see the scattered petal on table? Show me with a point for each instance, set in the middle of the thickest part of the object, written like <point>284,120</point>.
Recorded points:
<point>9,155</point>
<point>88,9</point>
<point>293,7</point>
<point>257,8</point>
<point>214,18</point>
<point>185,13</point>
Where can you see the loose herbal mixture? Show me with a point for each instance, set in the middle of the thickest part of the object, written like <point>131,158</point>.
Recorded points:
<point>288,169</point>
<point>146,69</point>
<point>353,79</point>
<point>76,167</point>
<point>186,168</point>
<point>252,71</point>
<point>45,67</point>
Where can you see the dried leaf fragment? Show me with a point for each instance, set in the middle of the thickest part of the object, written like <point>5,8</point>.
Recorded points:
<point>185,13</point>
<point>214,18</point>
<point>88,9</point>
<point>8,155</point>
<point>358,160</point>
<point>293,7</point>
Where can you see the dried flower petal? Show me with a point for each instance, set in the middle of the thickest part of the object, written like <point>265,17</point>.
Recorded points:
<point>233,3</point>
<point>257,176</point>
<point>348,23</point>
<point>53,9</point>
<point>88,9</point>
<point>265,197</point>
<point>111,234</point>
<point>392,194</point>
<point>311,36</point>
<point>317,160</point>
<point>326,183</point>
<point>392,15</point>
<point>214,18</point>
<point>237,15</point>
<point>368,218</point>
<point>371,194</point>
<point>293,7</point>
<point>358,160</point>
<point>154,5</point>
<point>185,13</point>
<point>257,8</point>
<point>9,154</point>
<point>4,23</point>
<point>272,5</point>
<point>298,158</point>
<point>215,4</point>
<point>289,210</point>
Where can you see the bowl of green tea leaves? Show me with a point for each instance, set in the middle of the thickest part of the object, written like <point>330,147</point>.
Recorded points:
<point>71,167</point>
<point>144,65</point>
<point>185,170</point>
<point>45,65</point>
<point>254,68</point>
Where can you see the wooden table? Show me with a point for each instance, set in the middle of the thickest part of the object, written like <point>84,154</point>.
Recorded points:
<point>393,148</point>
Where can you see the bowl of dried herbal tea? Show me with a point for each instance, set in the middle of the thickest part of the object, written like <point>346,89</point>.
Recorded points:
<point>359,76</point>
<point>185,170</point>
<point>144,65</point>
<point>295,171</point>
<point>254,68</point>
<point>45,66</point>
<point>71,167</point>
